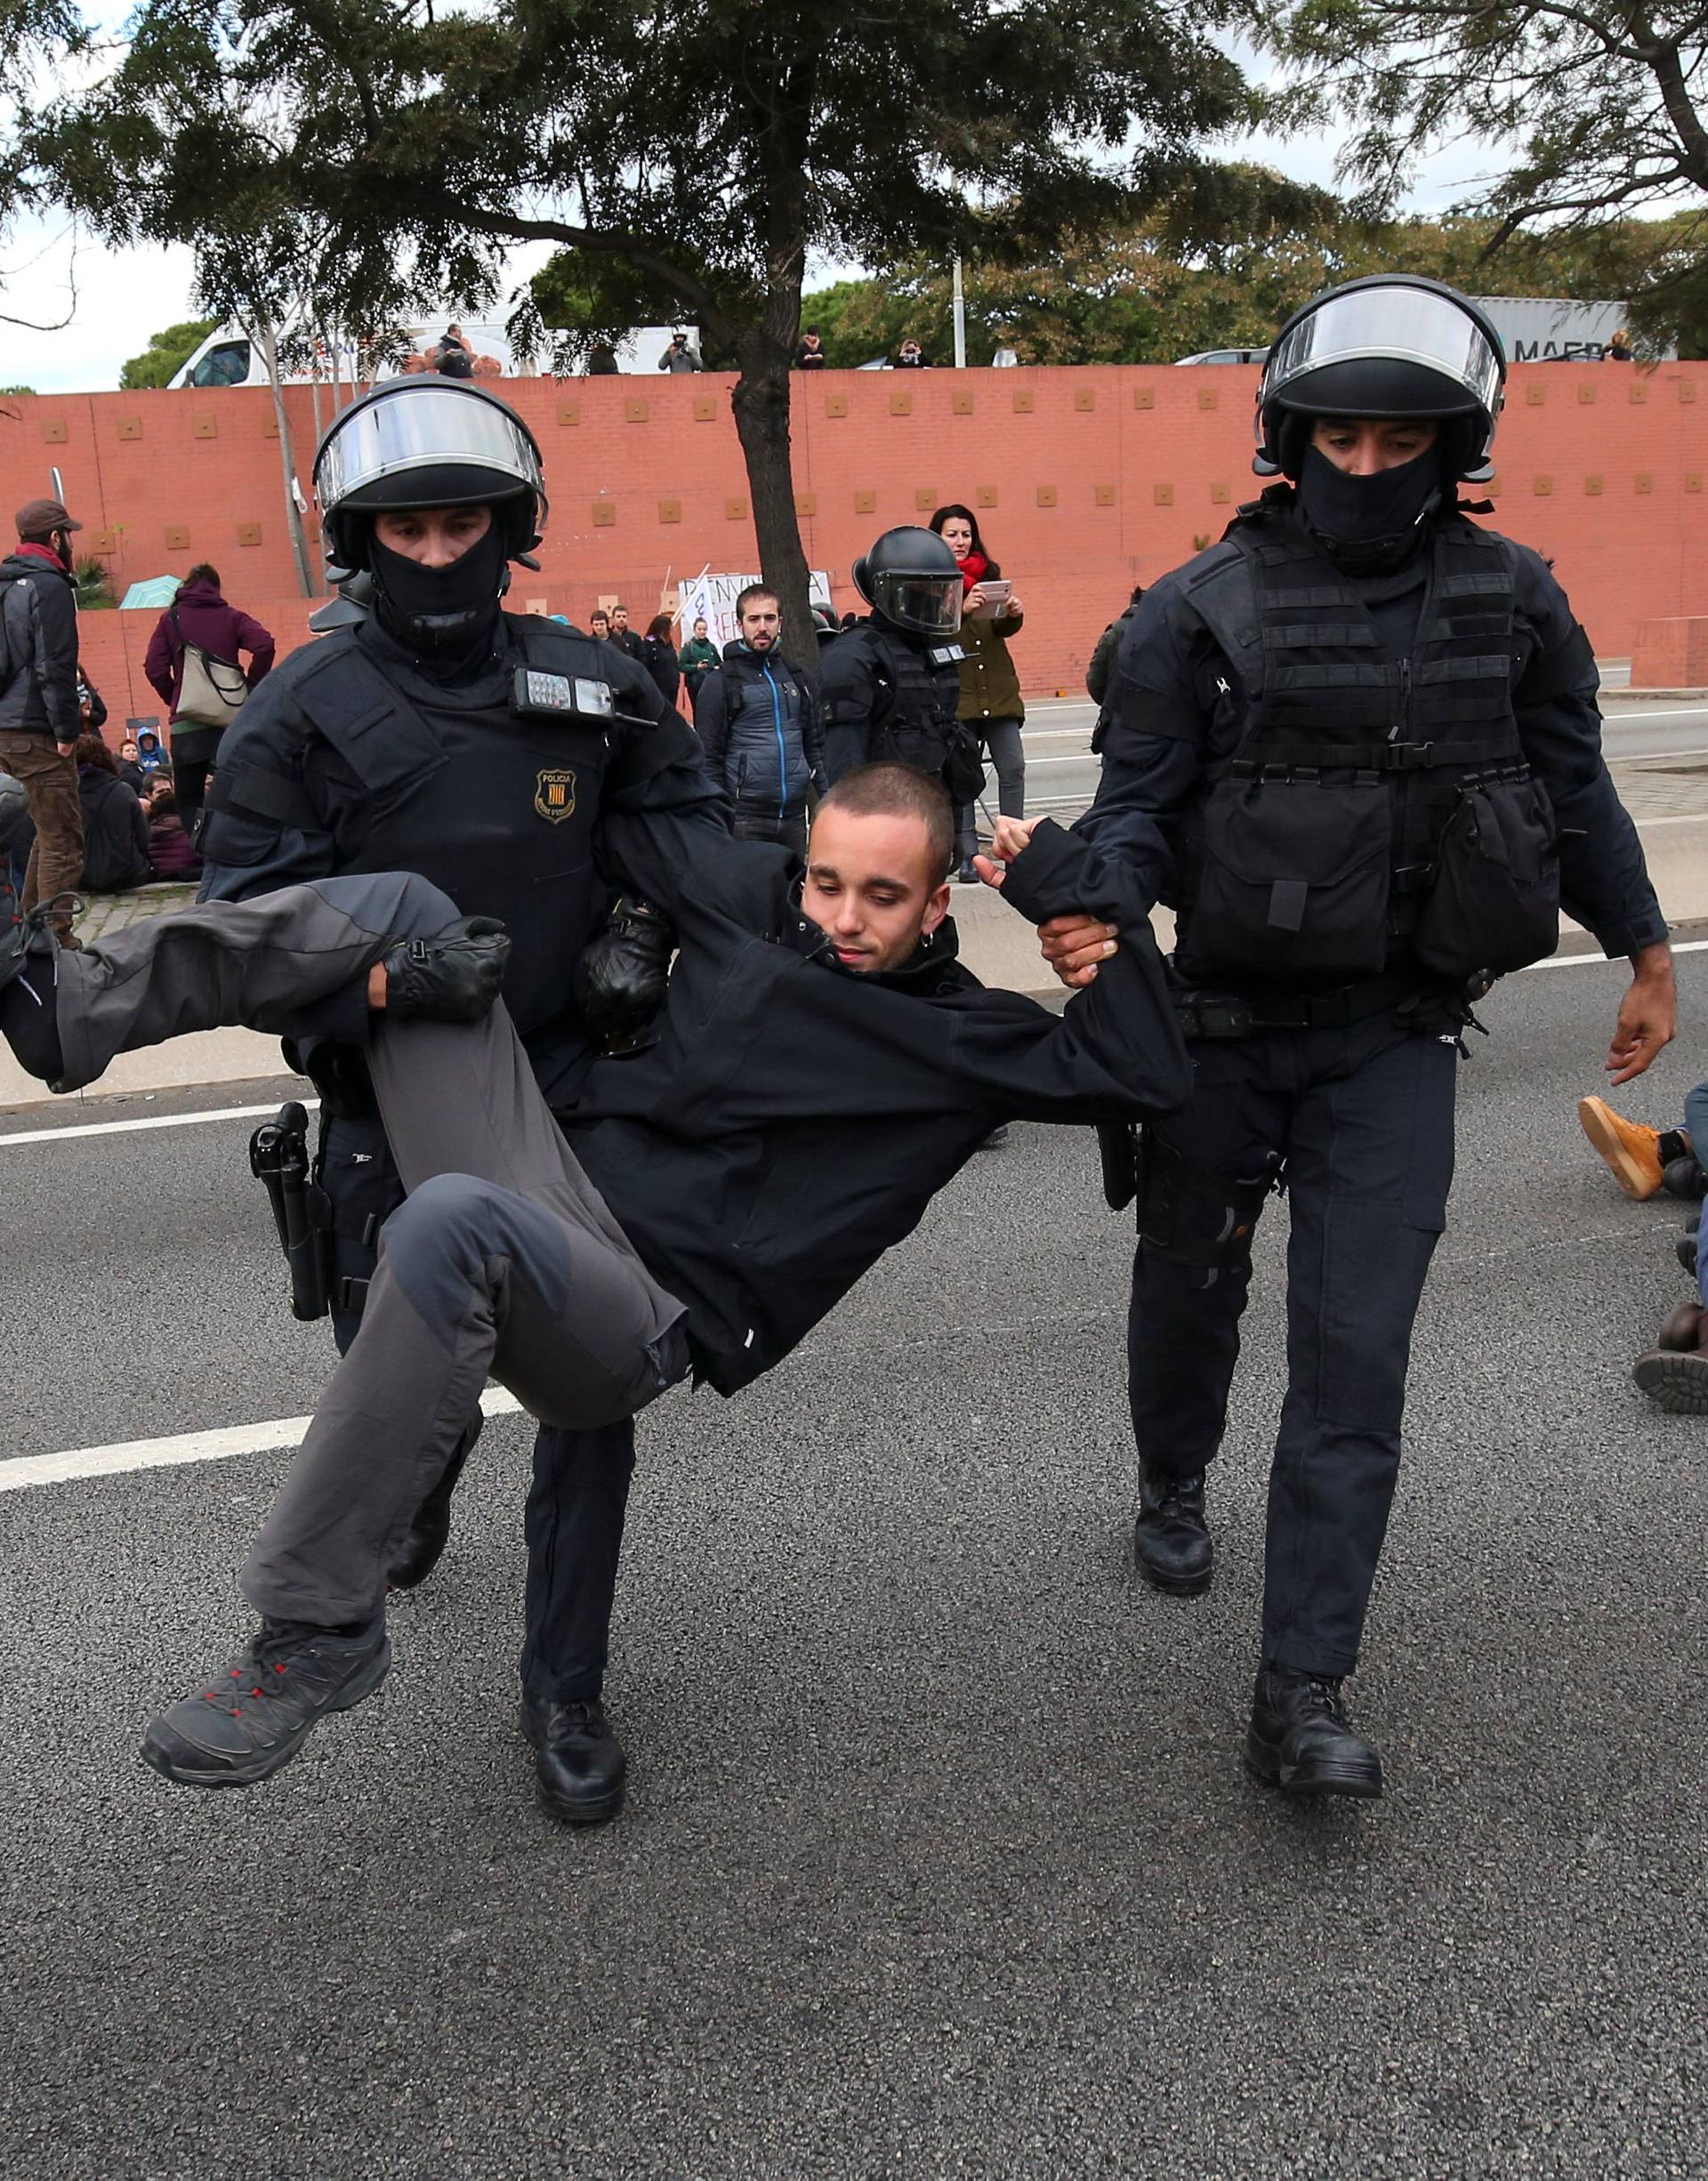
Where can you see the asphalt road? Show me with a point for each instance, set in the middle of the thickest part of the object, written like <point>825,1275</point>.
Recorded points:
<point>939,1860</point>
<point>1061,773</point>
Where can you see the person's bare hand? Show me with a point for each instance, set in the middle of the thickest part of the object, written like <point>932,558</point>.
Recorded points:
<point>1008,837</point>
<point>1012,609</point>
<point>1648,1014</point>
<point>973,601</point>
<point>1073,945</point>
<point>65,749</point>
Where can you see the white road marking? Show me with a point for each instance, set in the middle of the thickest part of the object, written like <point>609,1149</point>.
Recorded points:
<point>281,1433</point>
<point>1568,961</point>
<point>150,1121</point>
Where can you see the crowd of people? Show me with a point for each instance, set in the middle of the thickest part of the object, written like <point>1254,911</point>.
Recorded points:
<point>1354,746</point>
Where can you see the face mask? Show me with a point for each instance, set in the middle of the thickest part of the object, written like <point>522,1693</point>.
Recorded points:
<point>439,609</point>
<point>1368,523</point>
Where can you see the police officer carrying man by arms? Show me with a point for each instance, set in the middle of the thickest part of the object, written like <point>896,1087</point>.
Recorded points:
<point>518,765</point>
<point>892,682</point>
<point>1356,747</point>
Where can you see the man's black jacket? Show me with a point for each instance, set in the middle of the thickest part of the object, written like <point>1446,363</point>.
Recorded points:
<point>38,656</point>
<point>794,1120</point>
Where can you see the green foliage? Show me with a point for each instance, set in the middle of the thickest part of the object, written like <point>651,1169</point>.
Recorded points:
<point>17,390</point>
<point>1582,118</point>
<point>167,354</point>
<point>91,583</point>
<point>1135,299</point>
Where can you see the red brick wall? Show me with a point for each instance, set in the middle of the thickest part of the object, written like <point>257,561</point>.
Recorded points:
<point>1086,481</point>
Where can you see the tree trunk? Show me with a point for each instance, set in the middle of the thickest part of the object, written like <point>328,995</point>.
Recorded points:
<point>760,402</point>
<point>267,342</point>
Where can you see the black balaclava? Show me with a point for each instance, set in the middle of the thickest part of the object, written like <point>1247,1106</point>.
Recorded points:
<point>1369,523</point>
<point>440,609</point>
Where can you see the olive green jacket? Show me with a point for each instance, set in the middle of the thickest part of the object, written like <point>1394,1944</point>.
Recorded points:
<point>990,688</point>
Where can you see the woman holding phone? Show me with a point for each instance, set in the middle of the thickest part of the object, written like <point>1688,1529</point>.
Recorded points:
<point>990,688</point>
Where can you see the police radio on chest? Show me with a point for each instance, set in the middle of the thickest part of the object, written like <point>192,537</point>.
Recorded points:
<point>947,655</point>
<point>538,696</point>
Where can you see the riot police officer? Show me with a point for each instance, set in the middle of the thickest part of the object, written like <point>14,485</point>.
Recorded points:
<point>1356,747</point>
<point>525,771</point>
<point>892,682</point>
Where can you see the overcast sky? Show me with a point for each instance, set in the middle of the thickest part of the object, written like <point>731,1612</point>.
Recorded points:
<point>123,297</point>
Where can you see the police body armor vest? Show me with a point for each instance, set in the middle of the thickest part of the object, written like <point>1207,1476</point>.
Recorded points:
<point>495,807</point>
<point>1375,814</point>
<point>922,725</point>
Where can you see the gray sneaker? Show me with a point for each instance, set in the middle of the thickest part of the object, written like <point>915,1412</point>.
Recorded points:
<point>259,1711</point>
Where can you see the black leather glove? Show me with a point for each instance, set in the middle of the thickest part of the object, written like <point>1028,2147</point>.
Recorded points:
<point>620,980</point>
<point>454,977</point>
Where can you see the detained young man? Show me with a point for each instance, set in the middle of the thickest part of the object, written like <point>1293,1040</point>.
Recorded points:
<point>823,1065</point>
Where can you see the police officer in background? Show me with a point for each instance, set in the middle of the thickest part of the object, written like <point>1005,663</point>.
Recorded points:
<point>1356,747</point>
<point>521,767</point>
<point>892,682</point>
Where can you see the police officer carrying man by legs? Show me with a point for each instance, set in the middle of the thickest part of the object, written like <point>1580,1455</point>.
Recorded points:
<point>1356,747</point>
<point>892,682</point>
<point>507,759</point>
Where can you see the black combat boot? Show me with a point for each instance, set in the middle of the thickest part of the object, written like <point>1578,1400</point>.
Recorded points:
<point>1170,1543</point>
<point>578,1762</point>
<point>416,1553</point>
<point>1301,1739</point>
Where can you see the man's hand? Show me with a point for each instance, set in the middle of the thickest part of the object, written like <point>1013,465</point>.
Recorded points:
<point>1648,1014</point>
<point>454,977</point>
<point>1073,946</point>
<point>1006,843</point>
<point>65,749</point>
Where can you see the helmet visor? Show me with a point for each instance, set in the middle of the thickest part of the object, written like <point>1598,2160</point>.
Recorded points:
<point>425,428</point>
<point>930,605</point>
<point>1392,325</point>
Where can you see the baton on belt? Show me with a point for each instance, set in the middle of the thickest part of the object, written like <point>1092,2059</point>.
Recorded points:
<point>279,1158</point>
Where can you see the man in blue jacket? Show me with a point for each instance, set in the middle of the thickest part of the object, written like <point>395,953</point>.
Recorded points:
<point>760,730</point>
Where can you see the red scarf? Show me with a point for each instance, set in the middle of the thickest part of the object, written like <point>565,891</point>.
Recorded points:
<point>972,570</point>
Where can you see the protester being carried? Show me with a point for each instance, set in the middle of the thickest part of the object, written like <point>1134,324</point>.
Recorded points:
<point>700,1216</point>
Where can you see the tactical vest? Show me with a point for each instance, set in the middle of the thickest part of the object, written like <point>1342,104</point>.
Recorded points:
<point>1314,855</point>
<point>496,807</point>
<point>920,722</point>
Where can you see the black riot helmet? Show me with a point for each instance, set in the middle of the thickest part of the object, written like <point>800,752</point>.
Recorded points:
<point>913,581</point>
<point>428,441</point>
<point>1393,347</point>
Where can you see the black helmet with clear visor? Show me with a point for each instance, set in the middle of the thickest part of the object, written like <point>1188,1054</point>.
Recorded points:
<point>1394,347</point>
<point>911,580</point>
<point>427,442</point>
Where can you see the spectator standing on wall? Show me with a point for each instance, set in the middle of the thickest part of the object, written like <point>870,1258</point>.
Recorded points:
<point>760,730</point>
<point>990,687</point>
<point>810,354</point>
<point>623,637</point>
<point>659,656</point>
<point>699,656</point>
<point>115,825</point>
<point>38,699</point>
<point>911,357</point>
<point>1618,350</point>
<point>193,663</point>
<point>679,357</point>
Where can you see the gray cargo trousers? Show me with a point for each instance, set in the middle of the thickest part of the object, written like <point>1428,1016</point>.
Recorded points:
<point>502,1261</point>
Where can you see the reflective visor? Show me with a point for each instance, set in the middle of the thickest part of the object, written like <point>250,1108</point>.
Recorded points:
<point>927,604</point>
<point>422,427</point>
<point>1397,324</point>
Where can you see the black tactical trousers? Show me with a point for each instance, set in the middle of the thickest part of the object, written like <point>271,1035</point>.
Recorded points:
<point>580,1493</point>
<point>1362,1118</point>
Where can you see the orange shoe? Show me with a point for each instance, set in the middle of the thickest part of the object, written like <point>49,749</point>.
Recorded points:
<point>1631,1153</point>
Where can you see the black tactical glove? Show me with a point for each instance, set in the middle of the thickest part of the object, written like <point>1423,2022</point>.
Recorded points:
<point>620,980</point>
<point>453,977</point>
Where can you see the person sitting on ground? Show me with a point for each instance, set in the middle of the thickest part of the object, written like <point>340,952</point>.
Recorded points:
<point>115,832</point>
<point>150,755</point>
<point>129,772</point>
<point>700,1216</point>
<point>1644,1160</point>
<point>172,853</point>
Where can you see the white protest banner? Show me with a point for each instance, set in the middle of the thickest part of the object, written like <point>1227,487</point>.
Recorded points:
<point>711,598</point>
